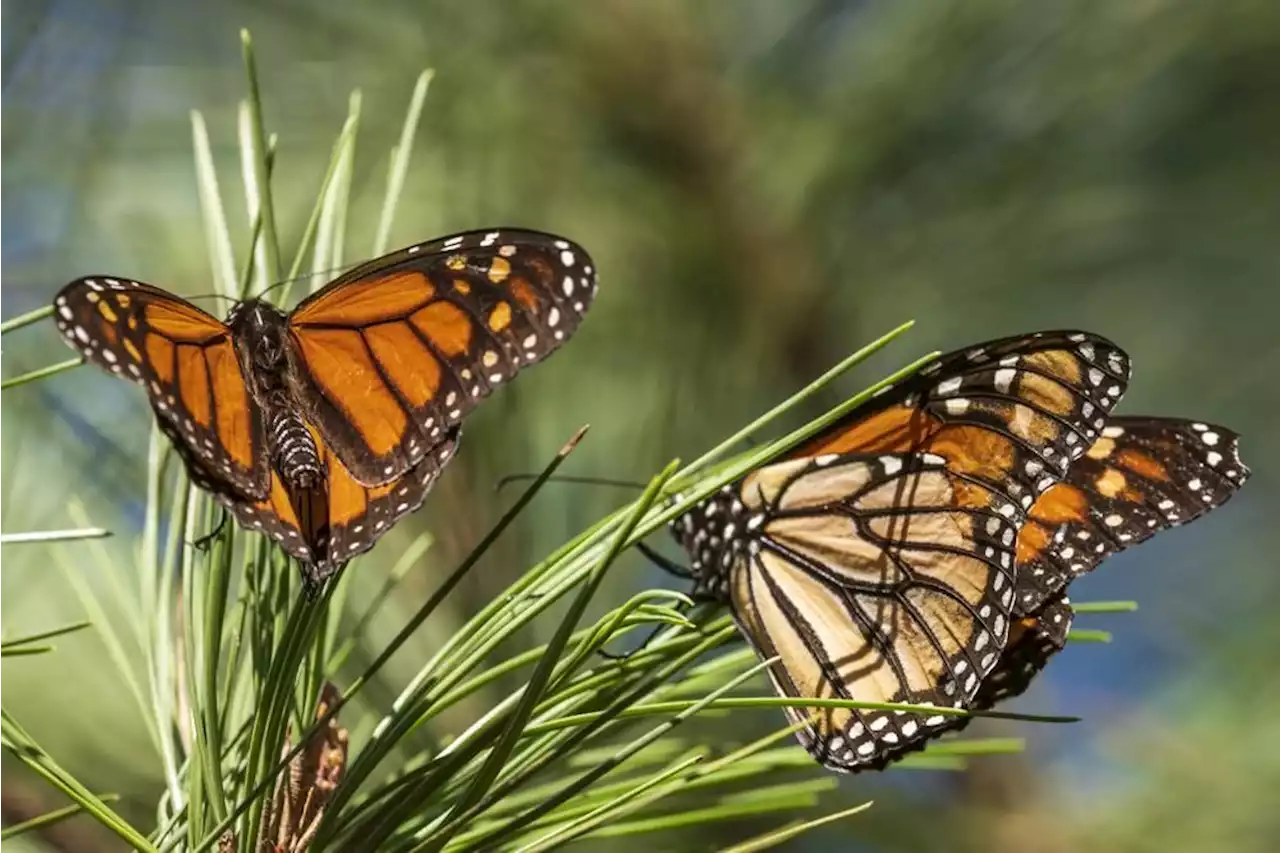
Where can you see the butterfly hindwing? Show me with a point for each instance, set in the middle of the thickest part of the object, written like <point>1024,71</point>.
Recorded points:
<point>187,362</point>
<point>881,578</point>
<point>327,527</point>
<point>395,352</point>
<point>1141,476</point>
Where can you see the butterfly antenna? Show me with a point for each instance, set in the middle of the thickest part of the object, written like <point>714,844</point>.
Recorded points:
<point>590,481</point>
<point>306,276</point>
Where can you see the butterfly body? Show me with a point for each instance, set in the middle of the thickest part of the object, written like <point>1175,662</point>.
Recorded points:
<point>260,335</point>
<point>876,561</point>
<point>324,425</point>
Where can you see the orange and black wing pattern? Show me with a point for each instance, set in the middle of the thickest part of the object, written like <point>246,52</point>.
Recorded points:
<point>397,351</point>
<point>187,362</point>
<point>877,561</point>
<point>325,527</point>
<point>1013,413</point>
<point>1141,476</point>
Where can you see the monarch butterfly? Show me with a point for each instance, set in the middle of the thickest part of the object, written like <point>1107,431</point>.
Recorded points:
<point>1142,476</point>
<point>876,562</point>
<point>323,426</point>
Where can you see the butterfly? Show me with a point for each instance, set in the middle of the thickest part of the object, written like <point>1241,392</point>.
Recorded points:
<point>322,427</point>
<point>1142,476</point>
<point>876,562</point>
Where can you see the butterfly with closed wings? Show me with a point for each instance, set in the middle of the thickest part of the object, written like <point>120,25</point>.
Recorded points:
<point>322,427</point>
<point>876,562</point>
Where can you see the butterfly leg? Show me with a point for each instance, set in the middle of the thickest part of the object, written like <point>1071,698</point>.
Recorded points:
<point>667,565</point>
<point>204,542</point>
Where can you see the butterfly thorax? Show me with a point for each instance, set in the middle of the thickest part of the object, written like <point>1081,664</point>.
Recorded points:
<point>260,331</point>
<point>716,533</point>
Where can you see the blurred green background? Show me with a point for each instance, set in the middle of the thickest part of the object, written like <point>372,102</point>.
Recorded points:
<point>764,187</point>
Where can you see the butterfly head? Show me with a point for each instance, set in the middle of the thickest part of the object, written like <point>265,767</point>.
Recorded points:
<point>259,329</point>
<point>715,533</point>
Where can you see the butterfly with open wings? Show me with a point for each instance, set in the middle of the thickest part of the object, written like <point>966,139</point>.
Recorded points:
<point>323,426</point>
<point>888,559</point>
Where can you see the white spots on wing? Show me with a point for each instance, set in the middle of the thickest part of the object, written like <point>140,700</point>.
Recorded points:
<point>1004,379</point>
<point>1086,350</point>
<point>93,285</point>
<point>566,258</point>
<point>956,405</point>
<point>579,307</point>
<point>825,459</point>
<point>507,250</point>
<point>453,242</point>
<point>1113,391</point>
<point>413,250</point>
<point>891,464</point>
<point>553,317</point>
<point>1213,457</point>
<point>1194,484</point>
<point>1199,427</point>
<point>1113,520</point>
<point>568,285</point>
<point>1210,438</point>
<point>489,239</point>
<point>451,398</point>
<point>950,386</point>
<point>530,342</point>
<point>495,378</point>
<point>489,359</point>
<point>1095,376</point>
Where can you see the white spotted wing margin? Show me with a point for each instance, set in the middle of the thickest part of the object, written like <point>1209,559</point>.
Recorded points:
<point>877,578</point>
<point>337,537</point>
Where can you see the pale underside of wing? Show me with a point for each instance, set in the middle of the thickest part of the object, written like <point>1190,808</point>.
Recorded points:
<point>873,579</point>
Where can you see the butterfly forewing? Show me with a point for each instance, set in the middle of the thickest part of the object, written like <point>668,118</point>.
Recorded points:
<point>188,364</point>
<point>395,352</point>
<point>1012,413</point>
<point>873,578</point>
<point>1141,476</point>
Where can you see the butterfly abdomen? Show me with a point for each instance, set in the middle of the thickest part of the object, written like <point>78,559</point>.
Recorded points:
<point>293,450</point>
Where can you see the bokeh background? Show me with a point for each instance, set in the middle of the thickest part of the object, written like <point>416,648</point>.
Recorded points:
<point>764,186</point>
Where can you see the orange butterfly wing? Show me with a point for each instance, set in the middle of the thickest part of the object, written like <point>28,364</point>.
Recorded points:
<point>1013,413</point>
<point>917,591</point>
<point>326,527</point>
<point>397,351</point>
<point>1143,475</point>
<point>187,362</point>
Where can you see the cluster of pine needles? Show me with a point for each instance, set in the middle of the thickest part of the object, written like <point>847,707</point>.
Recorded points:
<point>244,680</point>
